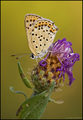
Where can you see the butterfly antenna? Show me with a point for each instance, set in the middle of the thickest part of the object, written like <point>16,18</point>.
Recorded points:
<point>19,57</point>
<point>23,54</point>
<point>19,54</point>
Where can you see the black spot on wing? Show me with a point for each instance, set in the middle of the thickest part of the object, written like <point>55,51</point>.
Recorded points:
<point>36,46</point>
<point>32,34</point>
<point>30,25</point>
<point>35,34</point>
<point>27,21</point>
<point>44,44</point>
<point>38,28</point>
<point>40,39</point>
<point>33,20</point>
<point>46,30</point>
<point>35,26</point>
<point>27,27</point>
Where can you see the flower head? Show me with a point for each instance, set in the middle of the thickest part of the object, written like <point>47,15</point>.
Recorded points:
<point>63,51</point>
<point>43,76</point>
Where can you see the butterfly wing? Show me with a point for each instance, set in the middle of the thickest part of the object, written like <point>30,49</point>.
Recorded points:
<point>42,35</point>
<point>29,20</point>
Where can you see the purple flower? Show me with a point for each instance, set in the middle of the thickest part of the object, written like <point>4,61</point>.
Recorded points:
<point>64,52</point>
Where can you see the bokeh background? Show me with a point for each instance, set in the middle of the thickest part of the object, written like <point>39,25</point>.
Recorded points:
<point>67,16</point>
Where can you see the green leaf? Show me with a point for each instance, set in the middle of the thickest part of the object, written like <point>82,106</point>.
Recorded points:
<point>34,107</point>
<point>24,78</point>
<point>19,92</point>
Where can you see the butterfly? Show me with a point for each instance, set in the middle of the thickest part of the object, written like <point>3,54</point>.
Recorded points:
<point>40,34</point>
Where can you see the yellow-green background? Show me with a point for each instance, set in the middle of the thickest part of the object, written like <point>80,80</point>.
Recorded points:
<point>67,16</point>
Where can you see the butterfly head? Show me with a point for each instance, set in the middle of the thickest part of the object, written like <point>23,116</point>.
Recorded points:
<point>32,56</point>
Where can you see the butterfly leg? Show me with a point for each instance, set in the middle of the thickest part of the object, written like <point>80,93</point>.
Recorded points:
<point>51,51</point>
<point>36,61</point>
<point>44,60</point>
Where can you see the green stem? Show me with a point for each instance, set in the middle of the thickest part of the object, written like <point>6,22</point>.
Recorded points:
<point>19,92</point>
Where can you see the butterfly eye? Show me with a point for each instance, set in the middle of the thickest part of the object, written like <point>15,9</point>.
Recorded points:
<point>32,56</point>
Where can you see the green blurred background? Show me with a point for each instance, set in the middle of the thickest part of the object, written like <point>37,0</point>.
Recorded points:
<point>67,16</point>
